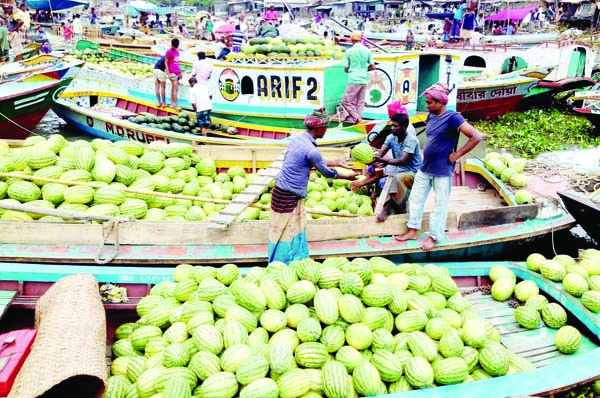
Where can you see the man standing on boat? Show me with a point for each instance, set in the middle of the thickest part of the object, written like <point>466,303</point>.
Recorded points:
<point>358,61</point>
<point>77,28</point>
<point>287,230</point>
<point>271,15</point>
<point>173,70</point>
<point>201,102</point>
<point>201,69</point>
<point>439,157</point>
<point>160,82</point>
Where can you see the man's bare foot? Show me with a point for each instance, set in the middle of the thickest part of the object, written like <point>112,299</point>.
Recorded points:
<point>428,244</point>
<point>411,234</point>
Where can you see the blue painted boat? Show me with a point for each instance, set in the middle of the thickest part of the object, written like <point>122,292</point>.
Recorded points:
<point>554,371</point>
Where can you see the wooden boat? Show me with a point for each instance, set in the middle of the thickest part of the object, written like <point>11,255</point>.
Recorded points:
<point>280,91</point>
<point>25,101</point>
<point>109,115</point>
<point>484,97</point>
<point>28,67</point>
<point>555,372</point>
<point>586,103</point>
<point>585,210</point>
<point>574,65</point>
<point>483,221</point>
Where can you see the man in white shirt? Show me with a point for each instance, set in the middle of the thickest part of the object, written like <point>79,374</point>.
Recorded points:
<point>26,18</point>
<point>476,37</point>
<point>201,102</point>
<point>201,69</point>
<point>77,28</point>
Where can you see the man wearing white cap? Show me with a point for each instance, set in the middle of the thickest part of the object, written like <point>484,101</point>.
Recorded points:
<point>358,61</point>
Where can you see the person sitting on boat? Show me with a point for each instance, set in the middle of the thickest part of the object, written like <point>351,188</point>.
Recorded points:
<point>510,29</point>
<point>40,34</point>
<point>200,98</point>
<point>271,14</point>
<point>439,158</point>
<point>498,31</point>
<point>287,224</point>
<point>45,48</point>
<point>267,29</point>
<point>401,167</point>
<point>221,48</point>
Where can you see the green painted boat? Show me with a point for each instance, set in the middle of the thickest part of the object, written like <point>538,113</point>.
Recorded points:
<point>554,371</point>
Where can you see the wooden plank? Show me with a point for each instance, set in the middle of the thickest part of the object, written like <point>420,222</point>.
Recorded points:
<point>498,216</point>
<point>6,298</point>
<point>198,233</point>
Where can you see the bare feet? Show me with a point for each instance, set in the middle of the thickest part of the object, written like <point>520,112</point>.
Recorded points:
<point>410,234</point>
<point>428,244</point>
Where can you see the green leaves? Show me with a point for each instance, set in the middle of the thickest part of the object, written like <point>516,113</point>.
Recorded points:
<point>533,132</point>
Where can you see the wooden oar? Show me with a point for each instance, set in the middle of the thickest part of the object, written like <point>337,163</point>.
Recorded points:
<point>162,194</point>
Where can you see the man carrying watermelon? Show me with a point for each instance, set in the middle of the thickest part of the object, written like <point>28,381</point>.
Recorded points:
<point>439,157</point>
<point>287,229</point>
<point>401,167</point>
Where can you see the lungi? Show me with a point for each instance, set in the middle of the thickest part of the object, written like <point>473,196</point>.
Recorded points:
<point>287,227</point>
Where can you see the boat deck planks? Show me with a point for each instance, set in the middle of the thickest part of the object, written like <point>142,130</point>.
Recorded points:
<point>537,345</point>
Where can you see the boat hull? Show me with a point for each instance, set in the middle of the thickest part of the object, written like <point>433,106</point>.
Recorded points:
<point>32,280</point>
<point>585,212</point>
<point>25,102</point>
<point>490,101</point>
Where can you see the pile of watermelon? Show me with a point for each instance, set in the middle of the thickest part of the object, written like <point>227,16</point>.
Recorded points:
<point>160,167</point>
<point>511,171</point>
<point>580,279</point>
<point>181,123</point>
<point>306,46</point>
<point>335,329</point>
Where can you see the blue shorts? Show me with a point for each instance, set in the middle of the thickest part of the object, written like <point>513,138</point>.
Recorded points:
<point>203,118</point>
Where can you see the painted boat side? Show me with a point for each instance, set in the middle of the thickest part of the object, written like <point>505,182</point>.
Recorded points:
<point>586,212</point>
<point>572,370</point>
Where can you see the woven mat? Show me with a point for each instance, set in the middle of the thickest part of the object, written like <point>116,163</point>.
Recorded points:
<point>68,357</point>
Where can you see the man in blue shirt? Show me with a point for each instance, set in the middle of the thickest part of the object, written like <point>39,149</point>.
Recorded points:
<point>401,166</point>
<point>287,230</point>
<point>439,157</point>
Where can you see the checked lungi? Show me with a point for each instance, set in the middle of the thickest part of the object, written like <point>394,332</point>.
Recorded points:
<point>287,227</point>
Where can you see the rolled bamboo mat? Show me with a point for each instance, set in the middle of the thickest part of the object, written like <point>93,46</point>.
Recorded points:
<point>68,357</point>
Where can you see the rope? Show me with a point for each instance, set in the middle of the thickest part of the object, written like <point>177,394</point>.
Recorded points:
<point>552,171</point>
<point>17,124</point>
<point>107,229</point>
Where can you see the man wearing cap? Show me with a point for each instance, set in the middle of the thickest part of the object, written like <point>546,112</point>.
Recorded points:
<point>287,230</point>
<point>439,157</point>
<point>14,37</point>
<point>358,61</point>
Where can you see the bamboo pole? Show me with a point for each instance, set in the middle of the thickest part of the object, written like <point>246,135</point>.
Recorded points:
<point>162,194</point>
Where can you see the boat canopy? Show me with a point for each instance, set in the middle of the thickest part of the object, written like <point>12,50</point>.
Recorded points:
<point>510,14</point>
<point>136,7</point>
<point>54,5</point>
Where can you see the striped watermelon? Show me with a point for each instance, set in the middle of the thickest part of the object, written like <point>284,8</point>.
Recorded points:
<point>348,356</point>
<point>208,338</point>
<point>219,385</point>
<point>205,364</point>
<point>233,356</point>
<point>261,388</point>
<point>140,336</point>
<point>311,355</point>
<point>326,307</point>
<point>301,292</point>
<point>359,336</point>
<point>333,338</point>
<point>554,315</point>
<point>390,369</point>
<point>567,339</point>
<point>367,380</point>
<point>251,369</point>
<point>450,370</point>
<point>334,378</point>
<point>419,372</point>
<point>528,317</point>
<point>410,321</point>
<point>350,308</point>
<point>309,330</point>
<point>494,360</point>
<point>422,345</point>
<point>293,383</point>
<point>177,387</point>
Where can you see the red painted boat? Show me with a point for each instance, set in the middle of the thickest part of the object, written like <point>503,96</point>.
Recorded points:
<point>491,98</point>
